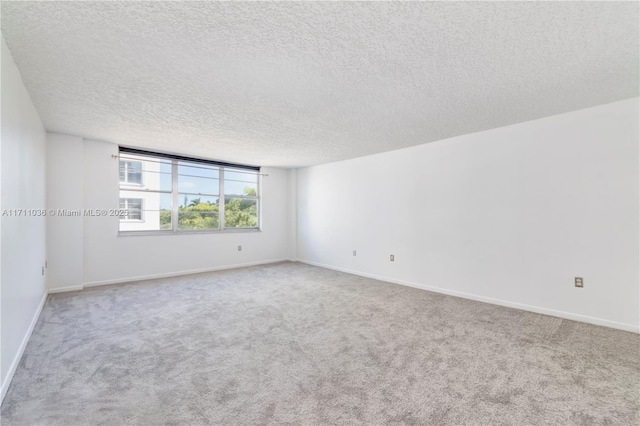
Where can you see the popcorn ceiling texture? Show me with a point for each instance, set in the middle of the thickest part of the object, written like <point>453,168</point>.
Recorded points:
<point>297,84</point>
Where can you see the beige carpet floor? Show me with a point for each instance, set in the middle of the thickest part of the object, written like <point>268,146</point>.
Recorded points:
<point>295,344</point>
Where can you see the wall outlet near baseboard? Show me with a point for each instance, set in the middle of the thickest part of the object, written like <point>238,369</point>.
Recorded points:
<point>579,282</point>
<point>392,258</point>
<point>239,248</point>
<point>354,252</point>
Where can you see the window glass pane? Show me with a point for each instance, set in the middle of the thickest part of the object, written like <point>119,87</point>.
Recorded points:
<point>149,211</point>
<point>194,220</point>
<point>130,172</point>
<point>134,208</point>
<point>240,213</point>
<point>198,212</point>
<point>147,195</point>
<point>134,172</point>
<point>164,174</point>
<point>198,201</point>
<point>198,179</point>
<point>161,212</point>
<point>240,183</point>
<point>146,173</point>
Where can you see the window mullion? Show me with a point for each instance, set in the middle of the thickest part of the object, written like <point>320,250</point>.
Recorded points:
<point>221,200</point>
<point>259,199</point>
<point>174,195</point>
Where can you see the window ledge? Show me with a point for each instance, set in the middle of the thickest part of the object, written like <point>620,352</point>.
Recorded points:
<point>153,233</point>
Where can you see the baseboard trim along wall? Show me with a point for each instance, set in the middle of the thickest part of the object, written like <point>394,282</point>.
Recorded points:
<point>165,275</point>
<point>65,289</point>
<point>23,345</point>
<point>634,328</point>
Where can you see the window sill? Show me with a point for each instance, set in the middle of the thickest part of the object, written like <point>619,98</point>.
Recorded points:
<point>186,232</point>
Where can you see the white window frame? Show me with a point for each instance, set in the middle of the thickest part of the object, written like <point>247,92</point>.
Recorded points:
<point>175,194</point>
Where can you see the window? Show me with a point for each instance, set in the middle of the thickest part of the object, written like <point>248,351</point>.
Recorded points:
<point>240,200</point>
<point>182,195</point>
<point>131,172</point>
<point>133,206</point>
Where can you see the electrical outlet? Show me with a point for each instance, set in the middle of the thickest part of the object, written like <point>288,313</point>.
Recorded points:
<point>239,248</point>
<point>354,252</point>
<point>392,258</point>
<point>43,271</point>
<point>579,282</point>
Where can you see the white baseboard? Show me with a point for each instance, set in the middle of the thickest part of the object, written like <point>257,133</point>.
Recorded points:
<point>179,273</point>
<point>16,360</point>
<point>65,289</point>
<point>634,328</point>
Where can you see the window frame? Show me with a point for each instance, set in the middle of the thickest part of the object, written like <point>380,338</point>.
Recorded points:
<point>175,161</point>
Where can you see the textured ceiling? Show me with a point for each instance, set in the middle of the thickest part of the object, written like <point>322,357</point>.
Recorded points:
<point>296,84</point>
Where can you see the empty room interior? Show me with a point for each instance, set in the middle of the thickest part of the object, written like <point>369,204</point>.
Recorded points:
<point>320,213</point>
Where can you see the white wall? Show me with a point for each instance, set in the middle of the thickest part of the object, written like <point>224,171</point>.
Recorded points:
<point>65,176</point>
<point>23,287</point>
<point>108,258</point>
<point>292,198</point>
<point>509,215</point>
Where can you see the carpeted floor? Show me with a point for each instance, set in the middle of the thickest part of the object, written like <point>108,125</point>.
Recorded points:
<point>294,344</point>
